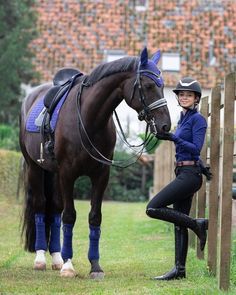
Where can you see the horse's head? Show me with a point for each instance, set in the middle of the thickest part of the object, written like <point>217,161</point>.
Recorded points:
<point>147,96</point>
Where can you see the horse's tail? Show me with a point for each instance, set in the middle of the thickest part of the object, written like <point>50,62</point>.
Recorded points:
<point>28,225</point>
<point>28,219</point>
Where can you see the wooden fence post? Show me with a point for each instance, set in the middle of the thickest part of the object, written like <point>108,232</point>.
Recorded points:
<point>163,165</point>
<point>214,183</point>
<point>201,195</point>
<point>226,182</point>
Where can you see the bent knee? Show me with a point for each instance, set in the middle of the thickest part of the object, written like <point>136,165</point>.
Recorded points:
<point>148,211</point>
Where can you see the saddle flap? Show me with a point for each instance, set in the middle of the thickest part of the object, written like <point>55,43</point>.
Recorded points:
<point>51,93</point>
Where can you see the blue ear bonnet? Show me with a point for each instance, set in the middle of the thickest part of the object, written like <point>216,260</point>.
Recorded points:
<point>149,67</point>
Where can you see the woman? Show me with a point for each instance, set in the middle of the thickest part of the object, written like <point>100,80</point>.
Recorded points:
<point>188,139</point>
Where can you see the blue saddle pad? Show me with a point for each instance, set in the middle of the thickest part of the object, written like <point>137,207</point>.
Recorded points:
<point>37,109</point>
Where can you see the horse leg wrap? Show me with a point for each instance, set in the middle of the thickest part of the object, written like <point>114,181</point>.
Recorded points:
<point>55,245</point>
<point>67,251</point>
<point>40,239</point>
<point>94,236</point>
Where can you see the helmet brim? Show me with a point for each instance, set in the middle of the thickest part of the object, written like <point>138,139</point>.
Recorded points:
<point>177,90</point>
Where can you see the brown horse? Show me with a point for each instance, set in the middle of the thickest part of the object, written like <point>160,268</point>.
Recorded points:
<point>84,141</point>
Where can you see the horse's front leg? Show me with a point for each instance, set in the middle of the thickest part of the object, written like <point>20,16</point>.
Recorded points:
<point>55,245</point>
<point>99,184</point>
<point>68,219</point>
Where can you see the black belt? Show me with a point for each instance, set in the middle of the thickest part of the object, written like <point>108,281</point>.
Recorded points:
<point>186,163</point>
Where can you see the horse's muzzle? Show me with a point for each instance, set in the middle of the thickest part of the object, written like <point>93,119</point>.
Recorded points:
<point>157,128</point>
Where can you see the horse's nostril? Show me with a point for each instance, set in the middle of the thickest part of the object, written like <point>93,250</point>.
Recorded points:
<point>165,128</point>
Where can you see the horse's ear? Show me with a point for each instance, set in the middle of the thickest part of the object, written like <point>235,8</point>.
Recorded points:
<point>156,57</point>
<point>144,56</point>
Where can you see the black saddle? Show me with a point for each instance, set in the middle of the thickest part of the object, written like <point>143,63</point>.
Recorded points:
<point>61,83</point>
<point>64,75</point>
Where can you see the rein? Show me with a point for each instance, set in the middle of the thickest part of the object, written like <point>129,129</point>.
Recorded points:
<point>143,115</point>
<point>123,137</point>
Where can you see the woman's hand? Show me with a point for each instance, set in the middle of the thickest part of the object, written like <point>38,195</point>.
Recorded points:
<point>166,136</point>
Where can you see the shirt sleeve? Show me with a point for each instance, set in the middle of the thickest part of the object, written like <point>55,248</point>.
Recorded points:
<point>199,131</point>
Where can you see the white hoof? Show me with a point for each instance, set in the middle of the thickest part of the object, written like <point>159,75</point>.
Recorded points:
<point>39,265</point>
<point>57,266</point>
<point>97,275</point>
<point>40,260</point>
<point>67,270</point>
<point>68,273</point>
<point>57,261</point>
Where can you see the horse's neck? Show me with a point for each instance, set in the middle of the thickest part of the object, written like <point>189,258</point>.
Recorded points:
<point>104,97</point>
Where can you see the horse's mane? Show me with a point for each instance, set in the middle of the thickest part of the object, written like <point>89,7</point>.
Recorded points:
<point>124,64</point>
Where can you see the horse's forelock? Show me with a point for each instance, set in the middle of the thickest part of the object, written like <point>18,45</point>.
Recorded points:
<point>124,64</point>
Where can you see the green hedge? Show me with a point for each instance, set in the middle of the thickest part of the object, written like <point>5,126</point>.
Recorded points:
<point>10,162</point>
<point>124,184</point>
<point>9,138</point>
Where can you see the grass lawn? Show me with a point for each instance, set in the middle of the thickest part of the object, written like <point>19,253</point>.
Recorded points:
<point>133,249</point>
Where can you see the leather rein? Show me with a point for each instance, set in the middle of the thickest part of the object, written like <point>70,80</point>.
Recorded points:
<point>144,114</point>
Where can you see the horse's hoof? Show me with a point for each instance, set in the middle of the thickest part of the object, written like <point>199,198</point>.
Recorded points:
<point>68,273</point>
<point>97,275</point>
<point>57,266</point>
<point>39,266</point>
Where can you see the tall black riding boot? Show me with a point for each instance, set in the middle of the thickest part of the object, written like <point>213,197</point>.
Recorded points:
<point>181,250</point>
<point>199,226</point>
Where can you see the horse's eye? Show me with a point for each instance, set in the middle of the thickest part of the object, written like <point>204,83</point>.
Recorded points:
<point>149,85</point>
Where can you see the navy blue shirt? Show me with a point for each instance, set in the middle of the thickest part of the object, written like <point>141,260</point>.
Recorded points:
<point>189,136</point>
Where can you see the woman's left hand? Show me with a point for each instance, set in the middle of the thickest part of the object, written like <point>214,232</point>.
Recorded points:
<point>166,136</point>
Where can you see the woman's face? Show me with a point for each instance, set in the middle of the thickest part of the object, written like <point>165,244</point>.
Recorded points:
<point>186,98</point>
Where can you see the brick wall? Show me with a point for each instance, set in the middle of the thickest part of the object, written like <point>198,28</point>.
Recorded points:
<point>76,33</point>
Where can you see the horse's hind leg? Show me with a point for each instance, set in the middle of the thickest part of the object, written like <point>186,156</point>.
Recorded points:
<point>99,184</point>
<point>53,213</point>
<point>34,215</point>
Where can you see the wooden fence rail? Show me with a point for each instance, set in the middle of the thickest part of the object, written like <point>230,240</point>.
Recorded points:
<point>214,199</point>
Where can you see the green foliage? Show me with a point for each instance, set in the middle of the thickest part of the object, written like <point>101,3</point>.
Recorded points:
<point>17,29</point>
<point>124,184</point>
<point>9,172</point>
<point>82,188</point>
<point>9,137</point>
<point>233,261</point>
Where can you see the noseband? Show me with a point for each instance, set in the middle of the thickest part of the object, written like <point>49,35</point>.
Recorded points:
<point>144,114</point>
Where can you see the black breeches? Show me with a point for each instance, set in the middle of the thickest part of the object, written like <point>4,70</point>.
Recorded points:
<point>180,191</point>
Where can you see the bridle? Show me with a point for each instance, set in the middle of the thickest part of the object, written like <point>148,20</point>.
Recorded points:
<point>144,114</point>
